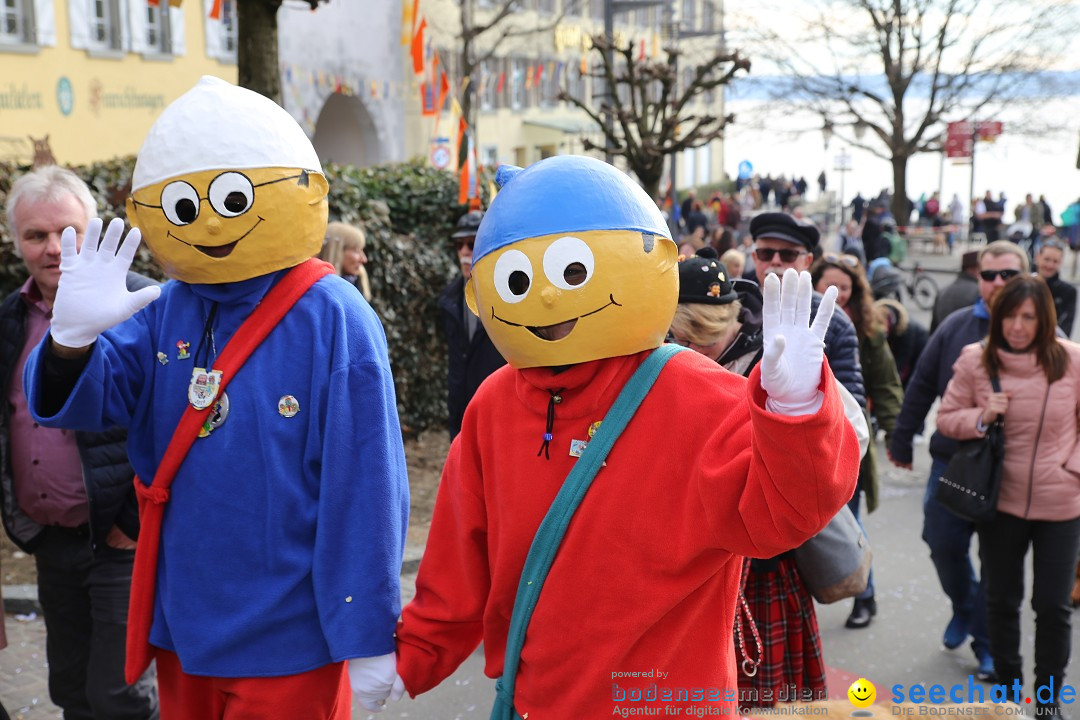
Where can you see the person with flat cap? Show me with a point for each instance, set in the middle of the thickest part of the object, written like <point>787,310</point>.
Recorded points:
<point>720,318</point>
<point>471,356</point>
<point>780,242</point>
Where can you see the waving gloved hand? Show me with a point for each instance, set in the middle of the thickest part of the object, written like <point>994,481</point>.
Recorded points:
<point>794,349</point>
<point>374,679</point>
<point>92,295</point>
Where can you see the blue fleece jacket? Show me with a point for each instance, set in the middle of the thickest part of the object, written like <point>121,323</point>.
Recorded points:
<point>281,545</point>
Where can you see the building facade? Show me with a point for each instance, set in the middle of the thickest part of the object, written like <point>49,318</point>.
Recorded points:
<point>89,77</point>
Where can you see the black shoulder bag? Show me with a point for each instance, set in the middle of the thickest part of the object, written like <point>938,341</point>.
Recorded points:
<point>969,487</point>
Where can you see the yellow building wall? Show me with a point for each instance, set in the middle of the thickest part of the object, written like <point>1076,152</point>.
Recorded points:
<point>110,102</point>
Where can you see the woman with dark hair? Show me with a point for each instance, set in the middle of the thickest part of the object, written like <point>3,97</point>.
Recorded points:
<point>1039,504</point>
<point>884,392</point>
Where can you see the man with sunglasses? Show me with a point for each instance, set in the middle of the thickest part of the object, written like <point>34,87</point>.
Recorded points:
<point>781,242</point>
<point>949,536</point>
<point>472,356</point>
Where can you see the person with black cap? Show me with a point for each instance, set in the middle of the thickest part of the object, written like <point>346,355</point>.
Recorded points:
<point>472,356</point>
<point>720,317</point>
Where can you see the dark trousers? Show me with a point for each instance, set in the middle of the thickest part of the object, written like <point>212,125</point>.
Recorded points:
<point>1003,544</point>
<point>949,539</point>
<point>85,602</point>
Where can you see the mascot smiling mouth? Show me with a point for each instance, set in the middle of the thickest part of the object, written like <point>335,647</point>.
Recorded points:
<point>220,251</point>
<point>559,330</point>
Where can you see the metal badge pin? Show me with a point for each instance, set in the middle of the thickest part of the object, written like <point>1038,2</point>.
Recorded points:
<point>217,416</point>
<point>182,350</point>
<point>203,388</point>
<point>288,406</point>
<point>162,358</point>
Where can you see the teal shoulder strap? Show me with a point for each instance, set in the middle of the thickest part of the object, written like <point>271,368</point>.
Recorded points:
<point>551,531</point>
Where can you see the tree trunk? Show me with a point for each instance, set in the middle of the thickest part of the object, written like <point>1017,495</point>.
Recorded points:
<point>257,47</point>
<point>900,208</point>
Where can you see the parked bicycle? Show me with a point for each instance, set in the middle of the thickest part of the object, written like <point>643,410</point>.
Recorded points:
<point>887,280</point>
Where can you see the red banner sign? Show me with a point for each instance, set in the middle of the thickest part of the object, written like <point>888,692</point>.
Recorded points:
<point>960,135</point>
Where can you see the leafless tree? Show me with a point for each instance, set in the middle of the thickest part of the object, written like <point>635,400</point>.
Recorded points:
<point>257,46</point>
<point>888,75</point>
<point>654,115</point>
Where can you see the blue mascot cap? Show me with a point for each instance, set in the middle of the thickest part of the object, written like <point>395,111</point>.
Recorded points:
<point>564,194</point>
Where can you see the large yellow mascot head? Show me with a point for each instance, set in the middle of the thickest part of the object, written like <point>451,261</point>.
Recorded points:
<point>227,187</point>
<point>573,262</point>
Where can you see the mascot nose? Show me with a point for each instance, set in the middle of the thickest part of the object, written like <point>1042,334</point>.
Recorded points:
<point>549,295</point>
<point>213,226</point>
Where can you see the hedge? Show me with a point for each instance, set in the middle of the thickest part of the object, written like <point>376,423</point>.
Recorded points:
<point>407,211</point>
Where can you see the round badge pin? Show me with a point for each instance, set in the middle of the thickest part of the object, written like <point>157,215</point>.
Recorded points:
<point>288,406</point>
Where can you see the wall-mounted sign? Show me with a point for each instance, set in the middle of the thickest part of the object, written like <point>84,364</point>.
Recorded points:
<point>65,96</point>
<point>18,98</point>
<point>129,98</point>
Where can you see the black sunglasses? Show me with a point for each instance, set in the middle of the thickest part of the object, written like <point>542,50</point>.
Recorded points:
<point>991,275</point>
<point>787,256</point>
<point>462,242</point>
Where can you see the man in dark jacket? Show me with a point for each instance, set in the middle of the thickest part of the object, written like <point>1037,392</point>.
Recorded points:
<point>949,536</point>
<point>67,497</point>
<point>961,293</point>
<point>1048,262</point>
<point>472,357</point>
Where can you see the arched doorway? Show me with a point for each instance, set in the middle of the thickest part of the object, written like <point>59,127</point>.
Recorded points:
<point>345,133</point>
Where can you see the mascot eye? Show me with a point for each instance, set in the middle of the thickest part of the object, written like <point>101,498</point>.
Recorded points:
<point>568,263</point>
<point>231,194</point>
<point>513,276</point>
<point>180,203</point>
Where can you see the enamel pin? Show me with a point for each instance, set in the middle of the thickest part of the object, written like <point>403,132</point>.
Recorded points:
<point>288,406</point>
<point>203,389</point>
<point>163,358</point>
<point>182,350</point>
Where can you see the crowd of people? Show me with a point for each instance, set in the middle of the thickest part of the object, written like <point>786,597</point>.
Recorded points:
<point>270,586</point>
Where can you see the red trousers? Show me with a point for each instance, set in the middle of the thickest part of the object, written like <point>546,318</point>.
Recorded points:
<point>320,694</point>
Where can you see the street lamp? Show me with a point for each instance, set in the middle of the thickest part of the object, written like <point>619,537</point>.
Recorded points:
<point>842,164</point>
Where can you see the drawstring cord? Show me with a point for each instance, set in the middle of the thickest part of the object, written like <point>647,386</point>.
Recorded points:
<point>554,400</point>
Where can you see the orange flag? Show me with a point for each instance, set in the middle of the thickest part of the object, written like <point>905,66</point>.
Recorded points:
<point>215,12</point>
<point>444,88</point>
<point>417,49</point>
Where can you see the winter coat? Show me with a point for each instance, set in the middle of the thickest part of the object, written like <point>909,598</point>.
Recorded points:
<point>107,474</point>
<point>1064,295</point>
<point>470,361</point>
<point>1040,477</point>
<point>886,395</point>
<point>961,293</point>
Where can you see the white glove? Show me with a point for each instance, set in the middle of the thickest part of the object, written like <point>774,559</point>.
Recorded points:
<point>92,295</point>
<point>374,679</point>
<point>794,349</point>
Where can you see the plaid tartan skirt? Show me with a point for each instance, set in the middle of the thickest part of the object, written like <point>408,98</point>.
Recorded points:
<point>791,666</point>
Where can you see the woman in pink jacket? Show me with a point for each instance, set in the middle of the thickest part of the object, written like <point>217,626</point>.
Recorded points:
<point>1039,505</point>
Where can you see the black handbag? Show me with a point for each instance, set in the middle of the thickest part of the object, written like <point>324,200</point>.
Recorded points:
<point>971,482</point>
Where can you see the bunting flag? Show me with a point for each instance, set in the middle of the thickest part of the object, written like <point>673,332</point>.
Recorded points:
<point>444,90</point>
<point>502,83</point>
<point>175,3</point>
<point>584,65</point>
<point>539,74</point>
<point>152,3</point>
<point>215,11</point>
<point>427,99</point>
<point>641,55</point>
<point>455,107</point>
<point>655,45</point>
<point>558,73</point>
<point>463,168</point>
<point>417,49</point>
<point>528,77</point>
<point>468,193</point>
<point>406,23</point>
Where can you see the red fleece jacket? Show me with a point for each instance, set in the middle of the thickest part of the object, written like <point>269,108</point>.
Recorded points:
<point>647,576</point>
